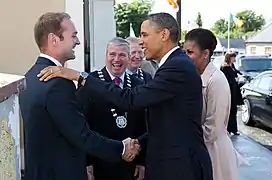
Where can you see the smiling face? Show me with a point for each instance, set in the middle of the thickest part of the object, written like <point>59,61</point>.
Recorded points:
<point>151,40</point>
<point>136,56</point>
<point>69,41</point>
<point>64,45</point>
<point>117,57</point>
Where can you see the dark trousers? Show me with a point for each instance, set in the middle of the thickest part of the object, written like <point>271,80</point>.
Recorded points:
<point>232,125</point>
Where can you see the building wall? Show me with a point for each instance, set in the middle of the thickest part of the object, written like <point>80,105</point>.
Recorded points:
<point>102,29</point>
<point>259,48</point>
<point>18,48</point>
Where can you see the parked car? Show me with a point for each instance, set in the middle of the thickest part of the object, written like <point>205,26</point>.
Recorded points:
<point>257,95</point>
<point>252,65</point>
<point>218,61</point>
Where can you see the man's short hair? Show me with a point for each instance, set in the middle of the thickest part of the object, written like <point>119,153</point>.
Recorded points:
<point>166,21</point>
<point>49,23</point>
<point>133,40</point>
<point>117,41</point>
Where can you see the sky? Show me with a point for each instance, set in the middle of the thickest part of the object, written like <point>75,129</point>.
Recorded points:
<point>211,10</point>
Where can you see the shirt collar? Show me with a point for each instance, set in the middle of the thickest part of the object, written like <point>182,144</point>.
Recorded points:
<point>130,72</point>
<point>122,77</point>
<point>164,58</point>
<point>51,59</point>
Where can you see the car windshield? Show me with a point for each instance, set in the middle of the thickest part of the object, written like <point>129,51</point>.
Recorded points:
<point>253,64</point>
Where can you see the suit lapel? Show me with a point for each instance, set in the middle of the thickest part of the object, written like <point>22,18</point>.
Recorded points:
<point>125,80</point>
<point>106,75</point>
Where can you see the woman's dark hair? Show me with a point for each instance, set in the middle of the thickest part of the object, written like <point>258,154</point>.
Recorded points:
<point>204,38</point>
<point>228,57</point>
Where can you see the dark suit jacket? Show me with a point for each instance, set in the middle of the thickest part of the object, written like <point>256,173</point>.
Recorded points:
<point>100,119</point>
<point>147,76</point>
<point>176,149</point>
<point>57,136</point>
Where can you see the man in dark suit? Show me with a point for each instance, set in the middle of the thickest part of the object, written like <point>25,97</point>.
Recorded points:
<point>135,60</point>
<point>103,117</point>
<point>175,144</point>
<point>57,136</point>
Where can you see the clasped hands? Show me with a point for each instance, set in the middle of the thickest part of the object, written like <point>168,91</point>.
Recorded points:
<point>132,149</point>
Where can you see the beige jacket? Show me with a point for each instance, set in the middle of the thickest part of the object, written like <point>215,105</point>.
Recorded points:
<point>215,115</point>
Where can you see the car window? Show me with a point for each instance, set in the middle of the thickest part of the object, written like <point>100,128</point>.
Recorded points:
<point>256,64</point>
<point>265,82</point>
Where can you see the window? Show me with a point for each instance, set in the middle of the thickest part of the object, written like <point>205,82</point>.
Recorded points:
<point>267,50</point>
<point>253,50</point>
<point>256,64</point>
<point>265,82</point>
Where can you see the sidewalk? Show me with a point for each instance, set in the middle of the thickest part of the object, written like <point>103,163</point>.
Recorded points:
<point>258,157</point>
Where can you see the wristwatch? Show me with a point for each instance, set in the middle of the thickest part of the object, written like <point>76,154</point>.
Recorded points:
<point>82,76</point>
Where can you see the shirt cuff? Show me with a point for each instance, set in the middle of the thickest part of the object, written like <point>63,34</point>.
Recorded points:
<point>124,148</point>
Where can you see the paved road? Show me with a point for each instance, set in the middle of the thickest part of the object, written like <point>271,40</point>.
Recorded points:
<point>258,133</point>
<point>253,145</point>
<point>258,159</point>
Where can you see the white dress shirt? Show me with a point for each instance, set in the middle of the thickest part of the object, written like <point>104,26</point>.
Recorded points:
<point>51,59</point>
<point>131,73</point>
<point>122,77</point>
<point>164,58</point>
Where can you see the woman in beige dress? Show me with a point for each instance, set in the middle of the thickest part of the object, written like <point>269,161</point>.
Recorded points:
<point>199,45</point>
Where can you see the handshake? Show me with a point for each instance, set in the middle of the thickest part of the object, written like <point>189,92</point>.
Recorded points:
<point>132,148</point>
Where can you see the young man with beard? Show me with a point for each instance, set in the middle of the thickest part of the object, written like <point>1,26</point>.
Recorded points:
<point>136,59</point>
<point>111,121</point>
<point>57,136</point>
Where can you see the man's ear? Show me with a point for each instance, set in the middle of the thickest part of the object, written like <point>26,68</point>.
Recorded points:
<point>165,34</point>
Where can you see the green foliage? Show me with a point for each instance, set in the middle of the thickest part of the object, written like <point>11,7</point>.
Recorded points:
<point>252,23</point>
<point>182,35</point>
<point>126,13</point>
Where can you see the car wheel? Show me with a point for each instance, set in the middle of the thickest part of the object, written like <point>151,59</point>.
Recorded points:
<point>246,116</point>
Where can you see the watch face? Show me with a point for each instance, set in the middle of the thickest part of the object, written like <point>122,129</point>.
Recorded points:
<point>84,75</point>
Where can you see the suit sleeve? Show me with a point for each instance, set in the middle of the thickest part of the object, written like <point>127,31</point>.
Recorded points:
<point>141,128</point>
<point>148,77</point>
<point>63,108</point>
<point>169,81</point>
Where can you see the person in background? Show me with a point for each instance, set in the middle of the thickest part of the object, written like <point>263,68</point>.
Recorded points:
<point>236,98</point>
<point>199,45</point>
<point>135,60</point>
<point>111,121</point>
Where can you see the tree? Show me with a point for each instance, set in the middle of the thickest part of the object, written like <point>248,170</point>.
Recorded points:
<point>134,13</point>
<point>251,24</point>
<point>199,20</point>
<point>182,35</point>
<point>220,26</point>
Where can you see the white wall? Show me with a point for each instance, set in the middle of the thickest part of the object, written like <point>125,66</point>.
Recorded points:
<point>260,48</point>
<point>102,29</point>
<point>18,48</point>
<point>75,10</point>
